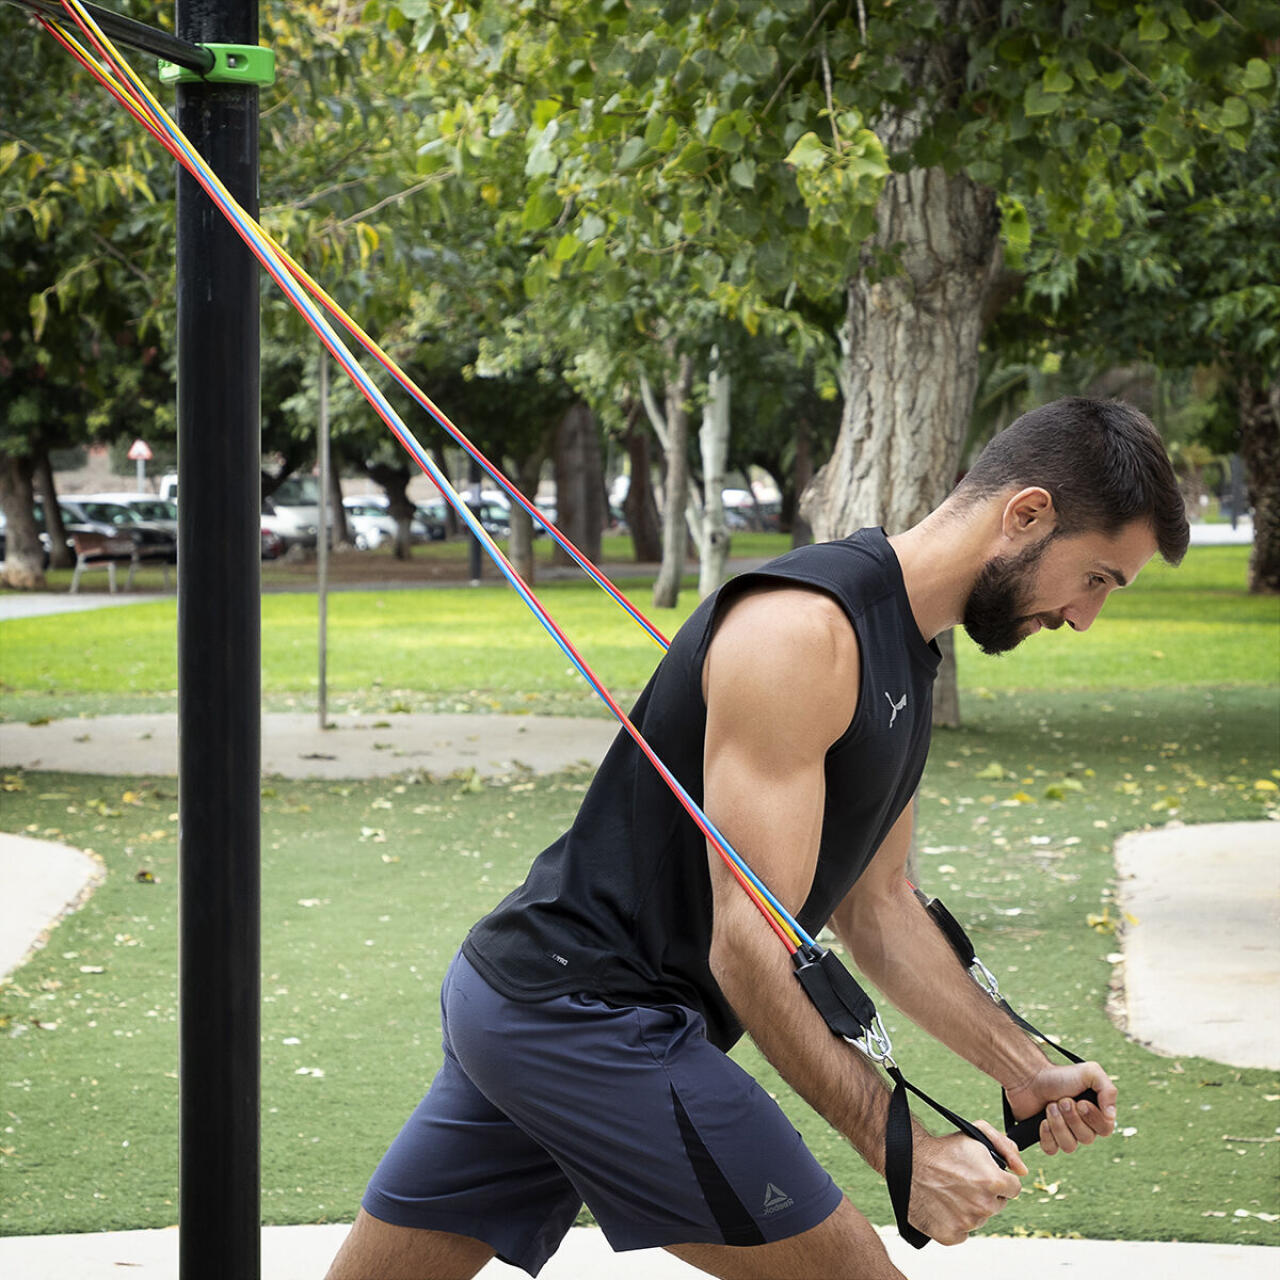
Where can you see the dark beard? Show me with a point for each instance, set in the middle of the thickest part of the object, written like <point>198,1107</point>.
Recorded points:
<point>996,610</point>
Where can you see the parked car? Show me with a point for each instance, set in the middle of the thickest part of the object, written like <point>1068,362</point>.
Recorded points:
<point>369,521</point>
<point>114,519</point>
<point>146,506</point>
<point>430,518</point>
<point>163,512</point>
<point>293,511</point>
<point>272,545</point>
<point>493,510</point>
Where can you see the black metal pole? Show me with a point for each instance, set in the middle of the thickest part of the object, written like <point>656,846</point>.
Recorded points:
<point>219,505</point>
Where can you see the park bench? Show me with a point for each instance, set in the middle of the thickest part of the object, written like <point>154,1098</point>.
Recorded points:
<point>99,550</point>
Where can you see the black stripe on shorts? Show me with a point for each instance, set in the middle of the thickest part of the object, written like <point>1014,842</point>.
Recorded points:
<point>731,1215</point>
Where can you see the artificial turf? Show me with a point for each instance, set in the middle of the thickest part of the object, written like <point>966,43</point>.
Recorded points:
<point>369,886</point>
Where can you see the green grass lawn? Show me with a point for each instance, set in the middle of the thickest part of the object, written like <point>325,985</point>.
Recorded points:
<point>369,886</point>
<point>1167,710</point>
<point>479,648</point>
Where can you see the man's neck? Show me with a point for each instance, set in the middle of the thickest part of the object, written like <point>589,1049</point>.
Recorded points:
<point>940,559</point>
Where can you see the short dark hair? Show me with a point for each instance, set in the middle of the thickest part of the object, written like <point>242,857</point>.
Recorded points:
<point>1103,462</point>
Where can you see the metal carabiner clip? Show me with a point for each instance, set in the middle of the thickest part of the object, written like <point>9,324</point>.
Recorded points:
<point>875,1043</point>
<point>985,979</point>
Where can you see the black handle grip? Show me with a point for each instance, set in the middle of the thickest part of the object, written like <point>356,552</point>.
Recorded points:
<point>1026,1133</point>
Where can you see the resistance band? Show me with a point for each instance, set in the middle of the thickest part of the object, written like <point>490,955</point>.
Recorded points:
<point>844,1006</point>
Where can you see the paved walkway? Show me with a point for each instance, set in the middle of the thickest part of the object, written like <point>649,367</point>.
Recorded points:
<point>304,1253</point>
<point>1206,901</point>
<point>293,746</point>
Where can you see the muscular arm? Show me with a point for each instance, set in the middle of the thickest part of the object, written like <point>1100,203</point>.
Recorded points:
<point>781,685</point>
<point>897,946</point>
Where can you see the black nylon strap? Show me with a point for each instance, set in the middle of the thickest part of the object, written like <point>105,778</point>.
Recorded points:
<point>1024,1133</point>
<point>898,1164</point>
<point>844,1006</point>
<point>898,1150</point>
<point>1035,1031</point>
<point>849,1012</point>
<point>954,934</point>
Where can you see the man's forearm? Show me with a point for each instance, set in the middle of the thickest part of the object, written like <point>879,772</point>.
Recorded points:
<point>896,944</point>
<point>837,1080</point>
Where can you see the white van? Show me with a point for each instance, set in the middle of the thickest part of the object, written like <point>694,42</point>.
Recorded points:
<point>293,511</point>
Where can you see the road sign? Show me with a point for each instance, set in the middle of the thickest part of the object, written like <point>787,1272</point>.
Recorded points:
<point>139,451</point>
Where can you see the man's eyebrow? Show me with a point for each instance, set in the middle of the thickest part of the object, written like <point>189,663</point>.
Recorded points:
<point>1121,580</point>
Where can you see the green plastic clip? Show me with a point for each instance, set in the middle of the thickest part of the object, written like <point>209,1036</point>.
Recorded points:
<point>232,64</point>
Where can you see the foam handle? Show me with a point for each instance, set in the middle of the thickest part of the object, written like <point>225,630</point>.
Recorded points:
<point>1026,1133</point>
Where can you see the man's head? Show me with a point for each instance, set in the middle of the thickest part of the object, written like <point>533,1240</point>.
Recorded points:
<point>1089,496</point>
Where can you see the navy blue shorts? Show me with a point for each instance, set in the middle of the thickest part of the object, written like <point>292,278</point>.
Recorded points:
<point>542,1107</point>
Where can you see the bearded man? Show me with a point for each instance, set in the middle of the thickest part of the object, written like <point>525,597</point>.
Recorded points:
<point>587,1018</point>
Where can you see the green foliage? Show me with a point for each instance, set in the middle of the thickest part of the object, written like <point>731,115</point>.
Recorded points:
<point>661,169</point>
<point>85,249</point>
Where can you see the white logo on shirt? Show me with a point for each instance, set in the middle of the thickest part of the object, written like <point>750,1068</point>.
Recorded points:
<point>897,706</point>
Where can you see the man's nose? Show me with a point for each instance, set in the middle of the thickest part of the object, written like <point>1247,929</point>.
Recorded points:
<point>1079,617</point>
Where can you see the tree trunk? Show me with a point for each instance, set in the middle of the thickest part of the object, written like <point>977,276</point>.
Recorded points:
<point>579,466</point>
<point>395,484</point>
<point>23,564</point>
<point>520,544</point>
<point>693,495</point>
<point>713,439</point>
<point>1260,450</point>
<point>911,358</point>
<point>61,556</point>
<point>337,512</point>
<point>675,448</point>
<point>639,506</point>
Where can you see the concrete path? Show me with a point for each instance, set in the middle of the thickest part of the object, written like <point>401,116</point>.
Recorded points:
<point>42,882</point>
<point>304,1253</point>
<point>294,746</point>
<point>1202,961</point>
<point>17,604</point>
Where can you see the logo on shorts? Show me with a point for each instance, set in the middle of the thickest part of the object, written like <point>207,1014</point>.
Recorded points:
<point>775,1201</point>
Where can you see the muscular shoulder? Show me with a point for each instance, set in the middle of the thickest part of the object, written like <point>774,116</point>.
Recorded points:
<point>791,654</point>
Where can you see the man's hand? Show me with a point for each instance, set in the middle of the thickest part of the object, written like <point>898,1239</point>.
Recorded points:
<point>956,1185</point>
<point>1068,1124</point>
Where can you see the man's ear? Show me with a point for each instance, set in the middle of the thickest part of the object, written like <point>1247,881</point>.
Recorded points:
<point>1030,512</point>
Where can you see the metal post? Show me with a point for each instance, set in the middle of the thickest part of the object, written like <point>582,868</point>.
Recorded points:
<point>322,543</point>
<point>218,674</point>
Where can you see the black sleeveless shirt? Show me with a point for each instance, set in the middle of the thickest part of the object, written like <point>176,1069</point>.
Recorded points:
<point>620,905</point>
